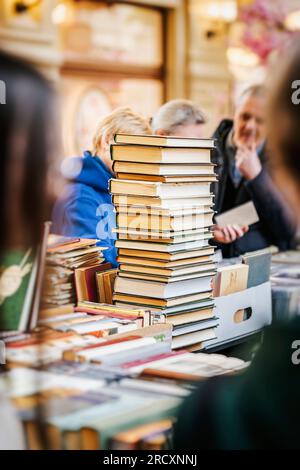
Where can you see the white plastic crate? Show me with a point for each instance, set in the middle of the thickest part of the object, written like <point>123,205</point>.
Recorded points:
<point>257,298</point>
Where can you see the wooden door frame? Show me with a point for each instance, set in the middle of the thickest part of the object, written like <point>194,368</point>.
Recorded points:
<point>176,12</point>
<point>176,21</point>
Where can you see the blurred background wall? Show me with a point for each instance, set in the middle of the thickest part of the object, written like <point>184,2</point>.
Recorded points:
<point>103,54</point>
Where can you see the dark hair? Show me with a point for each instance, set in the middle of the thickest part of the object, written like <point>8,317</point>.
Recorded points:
<point>284,116</point>
<point>25,147</point>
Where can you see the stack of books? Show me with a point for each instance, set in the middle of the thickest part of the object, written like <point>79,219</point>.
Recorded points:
<point>89,326</point>
<point>164,216</point>
<point>70,274</point>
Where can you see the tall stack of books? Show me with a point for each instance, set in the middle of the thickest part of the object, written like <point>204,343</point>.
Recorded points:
<point>164,216</point>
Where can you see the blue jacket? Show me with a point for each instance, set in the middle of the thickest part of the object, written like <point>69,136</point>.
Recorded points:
<point>85,208</point>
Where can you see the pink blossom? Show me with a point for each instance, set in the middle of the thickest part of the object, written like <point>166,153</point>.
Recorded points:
<point>264,29</point>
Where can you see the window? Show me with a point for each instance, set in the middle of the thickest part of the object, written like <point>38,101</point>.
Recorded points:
<point>113,56</point>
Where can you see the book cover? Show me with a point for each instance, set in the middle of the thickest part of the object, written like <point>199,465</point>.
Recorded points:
<point>18,273</point>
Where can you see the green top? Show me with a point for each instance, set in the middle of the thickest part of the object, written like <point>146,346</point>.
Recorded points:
<point>258,409</point>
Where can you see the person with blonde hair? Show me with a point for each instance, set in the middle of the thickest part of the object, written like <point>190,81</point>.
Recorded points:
<point>85,209</point>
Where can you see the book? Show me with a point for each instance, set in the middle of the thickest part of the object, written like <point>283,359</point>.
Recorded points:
<point>21,275</point>
<point>85,281</point>
<point>171,212</point>
<point>230,279</point>
<point>27,381</point>
<point>190,317</point>
<point>62,317</point>
<point>109,281</point>
<point>164,141</point>
<point>162,190</point>
<point>140,412</point>
<point>129,312</point>
<point>157,311</point>
<point>62,259</point>
<point>64,323</point>
<point>167,178</point>
<point>196,326</point>
<point>163,169</point>
<point>164,223</point>
<point>163,290</point>
<point>134,439</point>
<point>75,353</point>
<point>148,387</point>
<point>167,238</point>
<point>46,349</point>
<point>165,155</point>
<point>17,283</point>
<point>162,247</point>
<point>180,255</point>
<point>159,278</point>
<point>102,353</point>
<point>259,263</point>
<point>39,279</point>
<point>165,264</point>
<point>162,203</point>
<point>187,367</point>
<point>243,215</point>
<point>104,327</point>
<point>160,303</point>
<point>60,244</point>
<point>123,347</point>
<point>286,257</point>
<point>46,313</point>
<point>171,272</point>
<point>188,339</point>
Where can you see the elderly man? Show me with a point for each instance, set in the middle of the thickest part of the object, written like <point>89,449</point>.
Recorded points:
<point>243,176</point>
<point>241,167</point>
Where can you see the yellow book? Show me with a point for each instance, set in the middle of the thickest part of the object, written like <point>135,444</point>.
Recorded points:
<point>231,279</point>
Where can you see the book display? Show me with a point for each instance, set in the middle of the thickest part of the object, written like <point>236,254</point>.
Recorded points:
<point>166,261</point>
<point>109,354</point>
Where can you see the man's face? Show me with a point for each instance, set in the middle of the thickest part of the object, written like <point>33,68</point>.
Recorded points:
<point>189,130</point>
<point>249,122</point>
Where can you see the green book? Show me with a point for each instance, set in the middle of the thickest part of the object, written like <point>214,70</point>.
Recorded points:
<point>18,273</point>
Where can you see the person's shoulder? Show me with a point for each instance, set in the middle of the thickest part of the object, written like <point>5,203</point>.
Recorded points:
<point>223,128</point>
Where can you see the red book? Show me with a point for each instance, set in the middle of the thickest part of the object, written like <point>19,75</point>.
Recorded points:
<point>85,281</point>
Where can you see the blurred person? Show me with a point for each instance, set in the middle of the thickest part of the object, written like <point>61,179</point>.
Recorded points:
<point>242,166</point>
<point>85,208</point>
<point>183,118</point>
<point>258,409</point>
<point>26,189</point>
